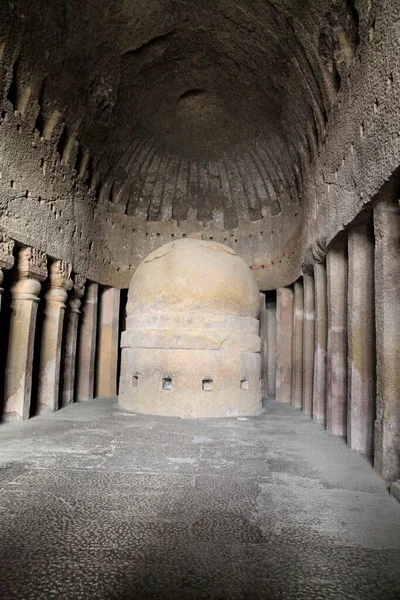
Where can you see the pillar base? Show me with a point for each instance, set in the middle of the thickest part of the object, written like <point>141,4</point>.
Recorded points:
<point>395,490</point>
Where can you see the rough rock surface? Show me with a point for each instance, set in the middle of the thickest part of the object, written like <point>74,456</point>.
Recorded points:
<point>263,125</point>
<point>101,503</point>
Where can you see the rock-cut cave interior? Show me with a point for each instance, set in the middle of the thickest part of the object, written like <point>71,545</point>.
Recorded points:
<point>200,299</point>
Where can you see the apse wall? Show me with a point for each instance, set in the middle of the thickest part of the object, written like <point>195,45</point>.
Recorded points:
<point>72,187</point>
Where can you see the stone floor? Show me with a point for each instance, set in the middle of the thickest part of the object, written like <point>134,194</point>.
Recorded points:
<point>98,503</point>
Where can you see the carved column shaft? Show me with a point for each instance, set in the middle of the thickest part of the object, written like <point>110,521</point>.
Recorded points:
<point>68,393</point>
<point>336,410</point>
<point>308,343</point>
<point>108,346</point>
<point>87,345</point>
<point>25,292</point>
<point>361,340</point>
<point>387,302</point>
<point>284,344</point>
<point>298,315</point>
<point>52,332</point>
<point>321,338</point>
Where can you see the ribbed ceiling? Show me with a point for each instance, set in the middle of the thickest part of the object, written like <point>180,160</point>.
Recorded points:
<point>190,106</point>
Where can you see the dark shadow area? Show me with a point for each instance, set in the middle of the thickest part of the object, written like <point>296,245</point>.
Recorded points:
<point>101,288</point>
<point>37,350</point>
<point>4,332</point>
<point>122,327</point>
<point>63,353</point>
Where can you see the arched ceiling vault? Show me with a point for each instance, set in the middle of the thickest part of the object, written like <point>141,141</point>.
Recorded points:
<point>182,107</point>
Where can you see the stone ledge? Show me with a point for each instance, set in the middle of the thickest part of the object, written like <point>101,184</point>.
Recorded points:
<point>395,489</point>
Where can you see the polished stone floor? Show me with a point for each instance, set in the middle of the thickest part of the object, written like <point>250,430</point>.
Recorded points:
<point>99,503</point>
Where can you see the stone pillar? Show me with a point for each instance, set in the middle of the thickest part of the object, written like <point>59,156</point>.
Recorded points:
<point>25,298</point>
<point>271,343</point>
<point>71,340</point>
<point>308,343</point>
<point>264,345</point>
<point>87,345</point>
<point>321,339</point>
<point>52,334</point>
<point>6,258</point>
<point>361,340</point>
<point>387,308</point>
<point>284,344</point>
<point>297,375</point>
<point>108,345</point>
<point>336,412</point>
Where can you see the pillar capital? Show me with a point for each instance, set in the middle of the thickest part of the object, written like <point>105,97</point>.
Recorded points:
<point>60,276</point>
<point>75,305</point>
<point>32,264</point>
<point>78,288</point>
<point>6,256</point>
<point>315,254</point>
<point>6,252</point>
<point>77,293</point>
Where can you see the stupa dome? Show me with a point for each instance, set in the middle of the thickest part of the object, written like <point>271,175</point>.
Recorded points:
<point>191,346</point>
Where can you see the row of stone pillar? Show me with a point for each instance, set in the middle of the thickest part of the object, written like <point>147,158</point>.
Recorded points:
<point>73,345</point>
<point>338,339</point>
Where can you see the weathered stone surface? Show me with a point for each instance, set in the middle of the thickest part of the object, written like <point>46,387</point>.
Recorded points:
<point>320,344</point>
<point>336,393</point>
<point>213,160</point>
<point>157,132</point>
<point>266,126</point>
<point>284,344</point>
<point>308,343</point>
<point>395,489</point>
<point>110,505</point>
<point>108,343</point>
<point>86,360</point>
<point>387,314</point>
<point>361,340</point>
<point>298,318</point>
<point>192,345</point>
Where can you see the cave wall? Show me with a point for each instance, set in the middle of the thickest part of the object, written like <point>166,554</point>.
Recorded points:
<point>70,186</point>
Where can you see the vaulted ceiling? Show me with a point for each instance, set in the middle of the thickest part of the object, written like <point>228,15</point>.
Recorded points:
<point>186,106</point>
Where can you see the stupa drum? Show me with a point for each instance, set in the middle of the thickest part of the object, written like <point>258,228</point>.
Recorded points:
<point>191,346</point>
